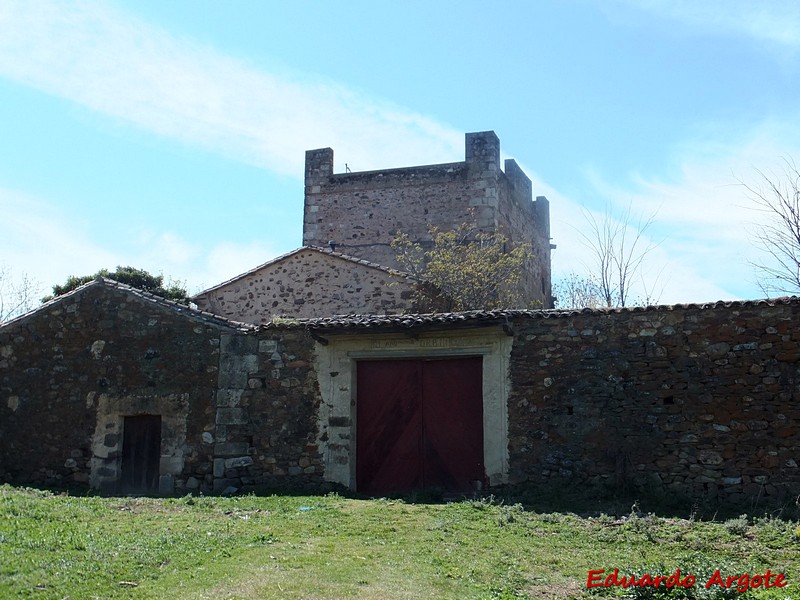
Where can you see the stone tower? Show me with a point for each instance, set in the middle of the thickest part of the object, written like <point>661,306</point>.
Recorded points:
<point>362,212</point>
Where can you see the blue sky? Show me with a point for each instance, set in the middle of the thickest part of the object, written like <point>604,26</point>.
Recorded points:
<point>171,135</point>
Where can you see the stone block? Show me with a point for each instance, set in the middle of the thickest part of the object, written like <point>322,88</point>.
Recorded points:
<point>227,398</point>
<point>238,462</point>
<point>219,467</point>
<point>232,416</point>
<point>230,448</point>
<point>237,358</point>
<point>172,465</point>
<point>709,457</point>
<point>718,350</point>
<point>166,485</point>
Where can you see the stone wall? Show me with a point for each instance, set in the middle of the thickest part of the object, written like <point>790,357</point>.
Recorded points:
<point>363,212</point>
<point>266,408</point>
<point>693,401</point>
<point>71,371</point>
<point>309,283</point>
<point>530,221</point>
<point>699,402</point>
<point>238,409</point>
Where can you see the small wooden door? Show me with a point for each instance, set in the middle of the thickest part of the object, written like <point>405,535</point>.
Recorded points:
<point>141,454</point>
<point>419,425</point>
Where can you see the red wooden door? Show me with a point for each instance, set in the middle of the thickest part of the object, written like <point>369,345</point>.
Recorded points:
<point>419,425</point>
<point>388,427</point>
<point>452,404</point>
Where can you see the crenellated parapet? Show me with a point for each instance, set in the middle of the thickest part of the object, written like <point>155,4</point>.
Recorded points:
<point>362,212</point>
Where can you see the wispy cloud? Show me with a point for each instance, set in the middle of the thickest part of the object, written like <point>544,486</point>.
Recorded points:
<point>704,218</point>
<point>116,65</point>
<point>199,266</point>
<point>669,274</point>
<point>39,240</point>
<point>774,21</point>
<point>108,61</point>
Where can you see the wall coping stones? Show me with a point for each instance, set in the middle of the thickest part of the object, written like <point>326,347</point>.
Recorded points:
<point>182,309</point>
<point>408,321</point>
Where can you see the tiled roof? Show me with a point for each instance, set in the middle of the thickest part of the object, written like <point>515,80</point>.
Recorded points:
<point>395,321</point>
<point>499,316</point>
<point>176,307</point>
<point>338,255</point>
<point>383,322</point>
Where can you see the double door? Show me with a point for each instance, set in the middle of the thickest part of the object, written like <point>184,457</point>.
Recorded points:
<point>419,425</point>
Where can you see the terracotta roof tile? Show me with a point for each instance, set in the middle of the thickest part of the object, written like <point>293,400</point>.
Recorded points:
<point>408,321</point>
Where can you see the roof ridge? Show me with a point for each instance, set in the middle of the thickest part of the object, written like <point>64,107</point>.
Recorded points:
<point>175,306</point>
<point>184,309</point>
<point>361,261</point>
<point>347,257</point>
<point>353,321</point>
<point>54,300</point>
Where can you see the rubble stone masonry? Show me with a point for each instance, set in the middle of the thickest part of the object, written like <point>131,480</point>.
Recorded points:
<point>266,408</point>
<point>699,402</point>
<point>238,409</point>
<point>362,212</point>
<point>72,370</point>
<point>307,283</point>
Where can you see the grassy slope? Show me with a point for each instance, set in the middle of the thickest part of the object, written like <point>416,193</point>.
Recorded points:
<point>55,546</point>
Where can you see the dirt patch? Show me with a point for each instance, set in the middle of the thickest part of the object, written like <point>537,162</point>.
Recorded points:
<point>560,591</point>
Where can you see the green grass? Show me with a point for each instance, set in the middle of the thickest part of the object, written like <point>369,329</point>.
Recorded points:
<point>60,546</point>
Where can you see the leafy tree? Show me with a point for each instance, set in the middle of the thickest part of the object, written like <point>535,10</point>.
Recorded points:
<point>465,269</point>
<point>137,278</point>
<point>778,198</point>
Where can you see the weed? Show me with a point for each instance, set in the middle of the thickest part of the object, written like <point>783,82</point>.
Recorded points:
<point>509,514</point>
<point>737,526</point>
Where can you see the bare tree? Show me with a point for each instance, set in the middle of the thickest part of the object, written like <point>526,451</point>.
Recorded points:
<point>618,247</point>
<point>17,297</point>
<point>778,198</point>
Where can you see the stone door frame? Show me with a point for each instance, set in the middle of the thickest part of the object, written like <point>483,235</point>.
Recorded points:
<point>107,439</point>
<point>336,363</point>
